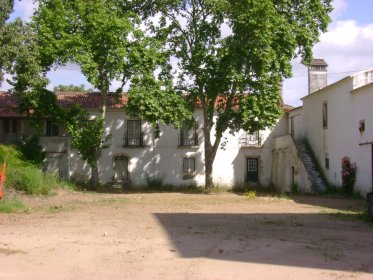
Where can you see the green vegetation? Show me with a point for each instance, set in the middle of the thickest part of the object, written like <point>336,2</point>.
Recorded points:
<point>250,194</point>
<point>25,176</point>
<point>347,215</point>
<point>223,71</point>
<point>72,87</point>
<point>11,205</point>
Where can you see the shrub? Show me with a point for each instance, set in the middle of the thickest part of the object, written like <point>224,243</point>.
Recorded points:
<point>25,176</point>
<point>32,151</point>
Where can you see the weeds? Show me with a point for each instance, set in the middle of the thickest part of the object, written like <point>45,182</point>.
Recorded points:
<point>12,205</point>
<point>250,194</point>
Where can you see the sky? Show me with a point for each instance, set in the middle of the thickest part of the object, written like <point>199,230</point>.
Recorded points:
<point>347,47</point>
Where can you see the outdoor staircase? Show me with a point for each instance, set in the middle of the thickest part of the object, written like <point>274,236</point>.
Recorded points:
<point>314,174</point>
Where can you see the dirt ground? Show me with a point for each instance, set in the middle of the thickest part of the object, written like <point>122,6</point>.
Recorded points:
<point>76,235</point>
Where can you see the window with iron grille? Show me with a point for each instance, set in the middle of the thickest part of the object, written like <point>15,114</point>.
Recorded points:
<point>250,139</point>
<point>133,135</point>
<point>188,135</point>
<point>189,165</point>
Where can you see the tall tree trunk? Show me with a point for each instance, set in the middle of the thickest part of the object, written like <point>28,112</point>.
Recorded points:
<point>94,175</point>
<point>210,149</point>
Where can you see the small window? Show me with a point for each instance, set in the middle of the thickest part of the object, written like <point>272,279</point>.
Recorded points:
<point>325,115</point>
<point>188,135</point>
<point>327,163</point>
<point>51,129</point>
<point>362,126</point>
<point>6,126</point>
<point>189,165</point>
<point>10,126</point>
<point>133,133</point>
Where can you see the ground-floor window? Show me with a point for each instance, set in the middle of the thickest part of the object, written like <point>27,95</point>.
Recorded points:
<point>189,165</point>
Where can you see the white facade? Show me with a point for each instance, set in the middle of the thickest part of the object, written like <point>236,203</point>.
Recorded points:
<point>163,158</point>
<point>330,120</point>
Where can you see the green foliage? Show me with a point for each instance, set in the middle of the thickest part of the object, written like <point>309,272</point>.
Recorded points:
<point>24,176</point>
<point>98,42</point>
<point>71,87</point>
<point>11,205</point>
<point>294,188</point>
<point>250,194</point>
<point>234,76</point>
<point>154,182</point>
<point>32,151</point>
<point>88,136</point>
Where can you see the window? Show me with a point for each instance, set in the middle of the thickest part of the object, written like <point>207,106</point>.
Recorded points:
<point>362,126</point>
<point>250,139</point>
<point>327,163</point>
<point>325,115</point>
<point>10,126</point>
<point>133,135</point>
<point>6,126</point>
<point>51,129</point>
<point>188,135</point>
<point>189,165</point>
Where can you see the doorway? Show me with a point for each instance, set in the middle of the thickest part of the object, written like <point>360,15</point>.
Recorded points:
<point>252,170</point>
<point>120,169</point>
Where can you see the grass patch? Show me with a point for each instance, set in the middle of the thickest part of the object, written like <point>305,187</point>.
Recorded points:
<point>250,194</point>
<point>348,215</point>
<point>12,205</point>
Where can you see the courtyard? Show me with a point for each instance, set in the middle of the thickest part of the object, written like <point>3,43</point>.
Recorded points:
<point>76,235</point>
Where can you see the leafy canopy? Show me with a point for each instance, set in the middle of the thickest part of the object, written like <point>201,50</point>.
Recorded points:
<point>232,55</point>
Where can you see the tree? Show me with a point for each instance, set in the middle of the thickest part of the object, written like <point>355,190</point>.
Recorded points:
<point>97,35</point>
<point>5,9</point>
<point>71,87</point>
<point>88,136</point>
<point>232,56</point>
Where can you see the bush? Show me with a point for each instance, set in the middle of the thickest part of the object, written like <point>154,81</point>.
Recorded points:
<point>32,151</point>
<point>25,176</point>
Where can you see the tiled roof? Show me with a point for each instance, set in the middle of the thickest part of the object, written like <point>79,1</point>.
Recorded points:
<point>8,102</point>
<point>89,100</point>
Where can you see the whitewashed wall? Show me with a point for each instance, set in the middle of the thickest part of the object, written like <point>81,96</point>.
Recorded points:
<point>163,158</point>
<point>346,107</point>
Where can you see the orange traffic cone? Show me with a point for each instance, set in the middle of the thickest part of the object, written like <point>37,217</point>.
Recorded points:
<point>2,179</point>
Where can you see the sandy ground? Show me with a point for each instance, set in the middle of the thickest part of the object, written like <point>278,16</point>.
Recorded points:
<point>185,236</point>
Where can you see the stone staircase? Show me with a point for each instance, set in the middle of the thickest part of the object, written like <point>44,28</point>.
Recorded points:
<point>314,174</point>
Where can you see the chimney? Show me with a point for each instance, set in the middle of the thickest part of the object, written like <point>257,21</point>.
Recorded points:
<point>317,75</point>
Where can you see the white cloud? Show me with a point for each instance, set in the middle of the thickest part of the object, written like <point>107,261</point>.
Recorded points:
<point>347,48</point>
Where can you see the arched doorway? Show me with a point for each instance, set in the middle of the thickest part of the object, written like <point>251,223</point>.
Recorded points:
<point>120,169</point>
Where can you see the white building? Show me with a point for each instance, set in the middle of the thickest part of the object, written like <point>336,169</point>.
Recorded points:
<point>176,157</point>
<point>337,121</point>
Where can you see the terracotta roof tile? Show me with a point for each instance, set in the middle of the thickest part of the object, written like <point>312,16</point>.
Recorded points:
<point>8,102</point>
<point>89,100</point>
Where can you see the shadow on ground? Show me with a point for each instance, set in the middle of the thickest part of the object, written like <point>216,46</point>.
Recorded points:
<point>301,240</point>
